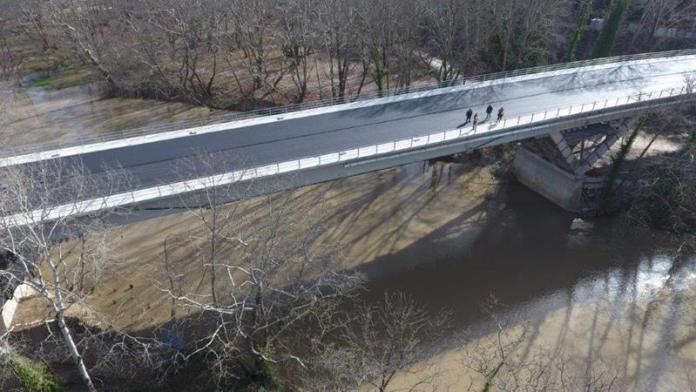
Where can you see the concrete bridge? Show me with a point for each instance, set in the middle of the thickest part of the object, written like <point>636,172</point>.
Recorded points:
<point>579,107</point>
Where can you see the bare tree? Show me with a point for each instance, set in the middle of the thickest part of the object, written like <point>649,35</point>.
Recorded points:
<point>387,37</point>
<point>34,25</point>
<point>274,288</point>
<point>40,237</point>
<point>253,29</point>
<point>337,20</point>
<point>522,31</point>
<point>446,45</point>
<point>193,33</point>
<point>665,14</point>
<point>86,28</point>
<point>375,343</point>
<point>219,219</point>
<point>298,40</point>
<point>9,61</point>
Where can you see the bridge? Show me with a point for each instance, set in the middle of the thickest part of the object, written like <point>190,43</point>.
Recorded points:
<point>579,108</point>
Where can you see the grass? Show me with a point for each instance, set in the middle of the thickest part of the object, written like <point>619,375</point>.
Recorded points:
<point>40,64</point>
<point>34,375</point>
<point>65,76</point>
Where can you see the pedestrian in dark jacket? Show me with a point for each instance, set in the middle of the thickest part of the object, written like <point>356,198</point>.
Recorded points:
<point>501,113</point>
<point>489,110</point>
<point>468,116</point>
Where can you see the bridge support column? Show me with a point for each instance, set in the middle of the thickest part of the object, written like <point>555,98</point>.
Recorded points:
<point>560,167</point>
<point>12,291</point>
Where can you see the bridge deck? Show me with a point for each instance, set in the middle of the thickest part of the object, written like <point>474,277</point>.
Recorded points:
<point>349,132</point>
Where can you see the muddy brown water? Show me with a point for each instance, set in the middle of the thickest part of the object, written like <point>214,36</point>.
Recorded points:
<point>530,252</point>
<point>38,115</point>
<point>614,299</point>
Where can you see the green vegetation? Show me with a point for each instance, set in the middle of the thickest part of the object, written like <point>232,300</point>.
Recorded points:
<point>34,376</point>
<point>65,76</point>
<point>583,18</point>
<point>488,385</point>
<point>607,37</point>
<point>269,369</point>
<point>617,164</point>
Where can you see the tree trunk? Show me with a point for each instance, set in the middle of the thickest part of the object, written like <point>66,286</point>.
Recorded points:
<point>74,353</point>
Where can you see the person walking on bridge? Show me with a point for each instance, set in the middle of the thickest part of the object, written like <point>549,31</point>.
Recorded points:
<point>475,120</point>
<point>501,113</point>
<point>489,110</point>
<point>468,116</point>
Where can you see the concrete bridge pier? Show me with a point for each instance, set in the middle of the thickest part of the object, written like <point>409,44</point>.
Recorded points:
<point>560,166</point>
<point>12,290</point>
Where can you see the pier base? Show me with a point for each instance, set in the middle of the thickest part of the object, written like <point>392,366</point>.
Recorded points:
<point>560,167</point>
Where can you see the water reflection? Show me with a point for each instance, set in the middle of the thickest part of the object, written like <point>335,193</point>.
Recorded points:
<point>609,299</point>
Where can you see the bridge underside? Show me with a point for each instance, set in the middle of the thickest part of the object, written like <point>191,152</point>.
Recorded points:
<point>561,166</point>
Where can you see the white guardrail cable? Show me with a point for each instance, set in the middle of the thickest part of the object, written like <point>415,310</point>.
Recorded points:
<point>428,87</point>
<point>148,194</point>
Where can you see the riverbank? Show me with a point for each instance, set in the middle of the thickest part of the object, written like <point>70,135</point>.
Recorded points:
<point>37,115</point>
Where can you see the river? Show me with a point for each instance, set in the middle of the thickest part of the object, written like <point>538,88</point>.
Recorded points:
<point>610,303</point>
<point>562,304</point>
<point>39,115</point>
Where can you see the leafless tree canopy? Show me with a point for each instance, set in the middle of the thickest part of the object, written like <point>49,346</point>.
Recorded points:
<point>374,343</point>
<point>230,53</point>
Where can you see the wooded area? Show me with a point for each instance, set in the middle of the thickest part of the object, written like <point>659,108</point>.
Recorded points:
<point>245,54</point>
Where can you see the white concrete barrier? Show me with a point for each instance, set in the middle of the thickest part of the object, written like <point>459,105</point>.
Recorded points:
<point>9,308</point>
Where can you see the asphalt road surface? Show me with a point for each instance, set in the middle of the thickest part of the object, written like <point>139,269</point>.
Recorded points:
<point>168,161</point>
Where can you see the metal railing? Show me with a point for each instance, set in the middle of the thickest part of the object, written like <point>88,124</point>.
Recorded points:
<point>278,110</point>
<point>453,134</point>
<point>372,151</point>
